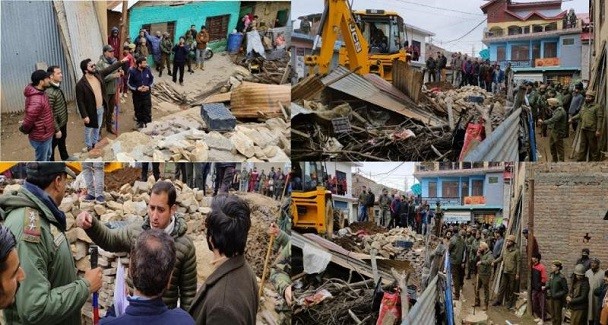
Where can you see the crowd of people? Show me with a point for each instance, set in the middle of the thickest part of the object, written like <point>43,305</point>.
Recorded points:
<point>476,251</point>
<point>468,71</point>
<point>103,84</point>
<point>555,108</point>
<point>37,270</point>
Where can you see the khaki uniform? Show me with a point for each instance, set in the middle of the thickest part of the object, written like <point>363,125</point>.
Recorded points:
<point>511,269</point>
<point>483,277</point>
<point>457,250</point>
<point>580,301</point>
<point>557,289</point>
<point>592,120</point>
<point>52,292</point>
<point>558,124</point>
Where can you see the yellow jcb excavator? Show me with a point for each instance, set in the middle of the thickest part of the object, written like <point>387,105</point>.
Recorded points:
<point>373,39</point>
<point>311,203</point>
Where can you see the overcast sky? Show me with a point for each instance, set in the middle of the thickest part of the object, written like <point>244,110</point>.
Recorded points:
<point>392,174</point>
<point>452,21</point>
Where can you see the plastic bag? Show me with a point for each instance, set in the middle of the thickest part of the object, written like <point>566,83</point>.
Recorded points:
<point>390,309</point>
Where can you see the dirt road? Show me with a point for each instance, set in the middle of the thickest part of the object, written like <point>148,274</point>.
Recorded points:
<point>15,146</point>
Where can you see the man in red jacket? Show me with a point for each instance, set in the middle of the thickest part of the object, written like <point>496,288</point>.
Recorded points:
<point>38,122</point>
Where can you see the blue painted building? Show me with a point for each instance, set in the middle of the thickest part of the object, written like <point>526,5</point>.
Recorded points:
<point>220,17</point>
<point>467,191</point>
<point>540,40</point>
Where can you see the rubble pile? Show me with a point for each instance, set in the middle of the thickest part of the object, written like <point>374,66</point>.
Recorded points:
<point>337,126</point>
<point>181,137</point>
<point>128,204</point>
<point>275,69</point>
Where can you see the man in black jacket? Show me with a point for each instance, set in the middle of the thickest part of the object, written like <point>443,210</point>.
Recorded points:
<point>91,98</point>
<point>140,82</point>
<point>180,53</point>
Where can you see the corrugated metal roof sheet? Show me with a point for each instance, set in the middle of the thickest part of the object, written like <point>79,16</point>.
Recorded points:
<point>23,47</point>
<point>85,40</point>
<point>388,97</point>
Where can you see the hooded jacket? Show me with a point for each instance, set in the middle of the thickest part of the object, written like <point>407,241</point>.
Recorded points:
<point>52,292</point>
<point>38,121</point>
<point>183,280</point>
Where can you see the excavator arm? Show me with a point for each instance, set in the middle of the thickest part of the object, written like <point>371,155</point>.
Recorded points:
<point>338,17</point>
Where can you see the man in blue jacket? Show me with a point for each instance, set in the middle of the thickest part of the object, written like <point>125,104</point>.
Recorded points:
<point>151,265</point>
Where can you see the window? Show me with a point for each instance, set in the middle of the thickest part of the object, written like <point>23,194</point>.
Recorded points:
<point>550,27</point>
<point>168,27</point>
<point>501,53</point>
<point>537,29</point>
<point>432,189</point>
<point>550,50</point>
<point>464,188</point>
<point>466,165</point>
<point>568,41</point>
<point>514,30</point>
<point>478,164</point>
<point>520,52</point>
<point>449,189</point>
<point>217,27</point>
<point>527,30</point>
<point>477,187</point>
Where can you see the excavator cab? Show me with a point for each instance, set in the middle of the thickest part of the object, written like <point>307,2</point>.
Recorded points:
<point>311,202</point>
<point>384,31</point>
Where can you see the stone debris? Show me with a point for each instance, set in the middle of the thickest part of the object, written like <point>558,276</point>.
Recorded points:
<point>180,137</point>
<point>127,204</point>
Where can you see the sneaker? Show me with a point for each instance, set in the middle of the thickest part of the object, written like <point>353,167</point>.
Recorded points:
<point>89,198</point>
<point>100,199</point>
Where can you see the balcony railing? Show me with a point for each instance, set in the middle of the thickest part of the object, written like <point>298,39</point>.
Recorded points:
<point>529,31</point>
<point>445,201</point>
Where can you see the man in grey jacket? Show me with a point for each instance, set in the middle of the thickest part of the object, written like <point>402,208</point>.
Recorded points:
<point>576,104</point>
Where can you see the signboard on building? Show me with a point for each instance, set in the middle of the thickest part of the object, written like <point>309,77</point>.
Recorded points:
<point>456,217</point>
<point>547,62</point>
<point>471,200</point>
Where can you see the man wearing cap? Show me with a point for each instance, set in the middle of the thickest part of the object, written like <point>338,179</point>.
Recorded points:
<point>578,297</point>
<point>510,273</point>
<point>596,277</point>
<point>558,124</point>
<point>557,289</point>
<point>458,257</point>
<point>91,98</point>
<point>38,121</point>
<point>110,84</point>
<point>52,293</point>
<point>592,124</point>
<point>576,103</point>
<point>484,272</point>
<point>165,46</point>
<point>585,260</point>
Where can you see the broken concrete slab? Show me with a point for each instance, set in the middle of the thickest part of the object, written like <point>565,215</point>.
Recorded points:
<point>243,144</point>
<point>215,140</point>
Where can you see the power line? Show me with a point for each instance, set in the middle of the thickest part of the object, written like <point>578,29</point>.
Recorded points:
<point>439,8</point>
<point>469,32</point>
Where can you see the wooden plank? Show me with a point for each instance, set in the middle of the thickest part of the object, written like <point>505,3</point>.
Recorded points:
<point>218,98</point>
<point>251,99</point>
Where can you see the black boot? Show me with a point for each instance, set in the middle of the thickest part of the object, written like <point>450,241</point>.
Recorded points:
<point>160,73</point>
<point>169,73</point>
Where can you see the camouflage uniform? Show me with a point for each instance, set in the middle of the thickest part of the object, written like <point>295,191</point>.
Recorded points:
<point>280,272</point>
